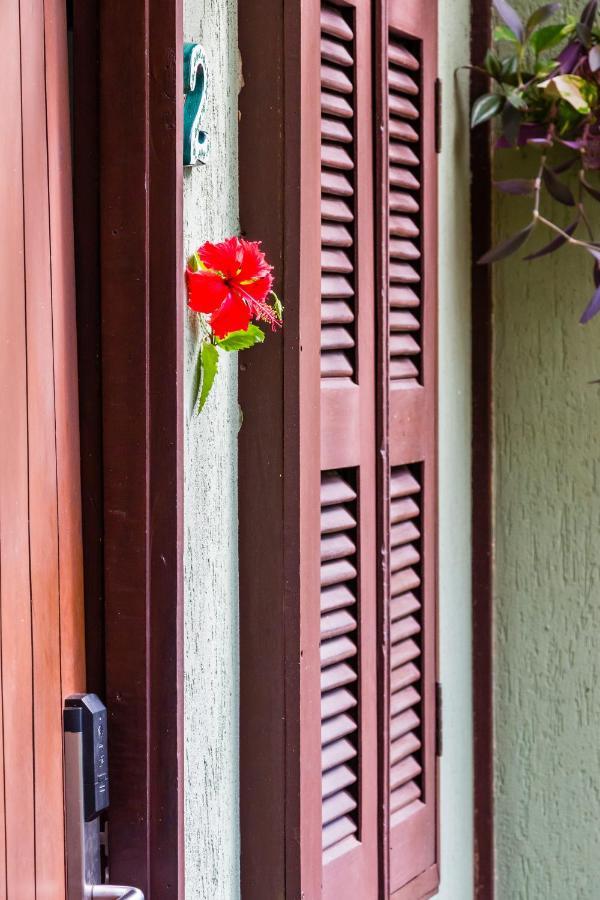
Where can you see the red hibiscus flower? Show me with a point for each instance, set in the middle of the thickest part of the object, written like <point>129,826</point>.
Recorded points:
<point>230,281</point>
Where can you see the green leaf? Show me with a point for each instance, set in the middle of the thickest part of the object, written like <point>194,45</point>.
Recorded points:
<point>485,107</point>
<point>545,38</point>
<point>571,88</point>
<point>516,99</point>
<point>241,340</point>
<point>504,33</point>
<point>194,264</point>
<point>277,306</point>
<point>492,64</point>
<point>511,124</point>
<point>196,381</point>
<point>509,67</point>
<point>210,367</point>
<point>543,69</point>
<point>540,15</point>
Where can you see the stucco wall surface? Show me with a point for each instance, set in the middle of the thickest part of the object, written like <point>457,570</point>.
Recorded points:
<point>211,569</point>
<point>547,571</point>
<point>454,470</point>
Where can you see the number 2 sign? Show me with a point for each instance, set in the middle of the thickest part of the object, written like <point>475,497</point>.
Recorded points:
<point>195,78</point>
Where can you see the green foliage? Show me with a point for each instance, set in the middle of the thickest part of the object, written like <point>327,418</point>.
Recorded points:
<point>547,94</point>
<point>207,366</point>
<point>486,107</point>
<point>242,340</point>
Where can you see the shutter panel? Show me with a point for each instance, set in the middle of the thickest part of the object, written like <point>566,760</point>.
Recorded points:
<point>357,648</point>
<point>408,407</point>
<point>348,508</point>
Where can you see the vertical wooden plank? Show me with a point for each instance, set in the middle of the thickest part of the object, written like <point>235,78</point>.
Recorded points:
<point>263,749</point>
<point>86,175</point>
<point>165,348</point>
<point>482,484</point>
<point>279,461</point>
<point>72,645</point>
<point>14,513</point>
<point>124,285</point>
<point>43,524</point>
<point>142,308</point>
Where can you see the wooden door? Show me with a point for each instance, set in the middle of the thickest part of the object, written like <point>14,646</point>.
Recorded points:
<point>41,610</point>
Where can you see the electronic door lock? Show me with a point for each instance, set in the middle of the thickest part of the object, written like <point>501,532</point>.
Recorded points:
<point>86,796</point>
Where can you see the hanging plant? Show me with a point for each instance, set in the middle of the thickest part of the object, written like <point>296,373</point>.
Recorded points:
<point>228,285</point>
<point>547,96</point>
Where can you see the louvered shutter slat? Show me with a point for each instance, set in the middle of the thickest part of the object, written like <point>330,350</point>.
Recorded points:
<point>335,52</point>
<point>336,726</point>
<point>336,210</point>
<point>338,163</point>
<point>337,676</point>
<point>333,312</point>
<point>337,806</point>
<point>336,597</point>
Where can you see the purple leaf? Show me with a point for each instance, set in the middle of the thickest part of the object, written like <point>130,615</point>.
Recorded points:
<point>574,145</point>
<point>521,186</point>
<point>589,13</point>
<point>529,133</point>
<point>594,250</point>
<point>557,189</point>
<point>539,142</point>
<point>570,57</point>
<point>555,243</point>
<point>510,245</point>
<point>510,17</point>
<point>592,308</point>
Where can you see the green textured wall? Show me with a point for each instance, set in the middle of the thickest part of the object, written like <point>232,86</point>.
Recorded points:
<point>547,571</point>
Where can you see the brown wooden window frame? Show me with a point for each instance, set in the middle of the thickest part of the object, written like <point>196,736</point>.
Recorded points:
<point>282,447</point>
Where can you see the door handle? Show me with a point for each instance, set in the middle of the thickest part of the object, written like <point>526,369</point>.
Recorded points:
<point>114,892</point>
<point>86,796</point>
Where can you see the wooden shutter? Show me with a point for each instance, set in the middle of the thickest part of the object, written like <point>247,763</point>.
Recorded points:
<point>337,441</point>
<point>408,515</point>
<point>348,553</point>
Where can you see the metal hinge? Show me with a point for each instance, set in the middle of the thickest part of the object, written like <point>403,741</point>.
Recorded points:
<point>438,115</point>
<point>439,734</point>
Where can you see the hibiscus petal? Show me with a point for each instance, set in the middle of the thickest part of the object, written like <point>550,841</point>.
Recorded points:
<point>225,257</point>
<point>232,315</point>
<point>254,264</point>
<point>257,289</point>
<point>206,291</point>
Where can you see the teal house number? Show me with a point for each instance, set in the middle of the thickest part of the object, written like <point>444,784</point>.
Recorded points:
<point>195,77</point>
